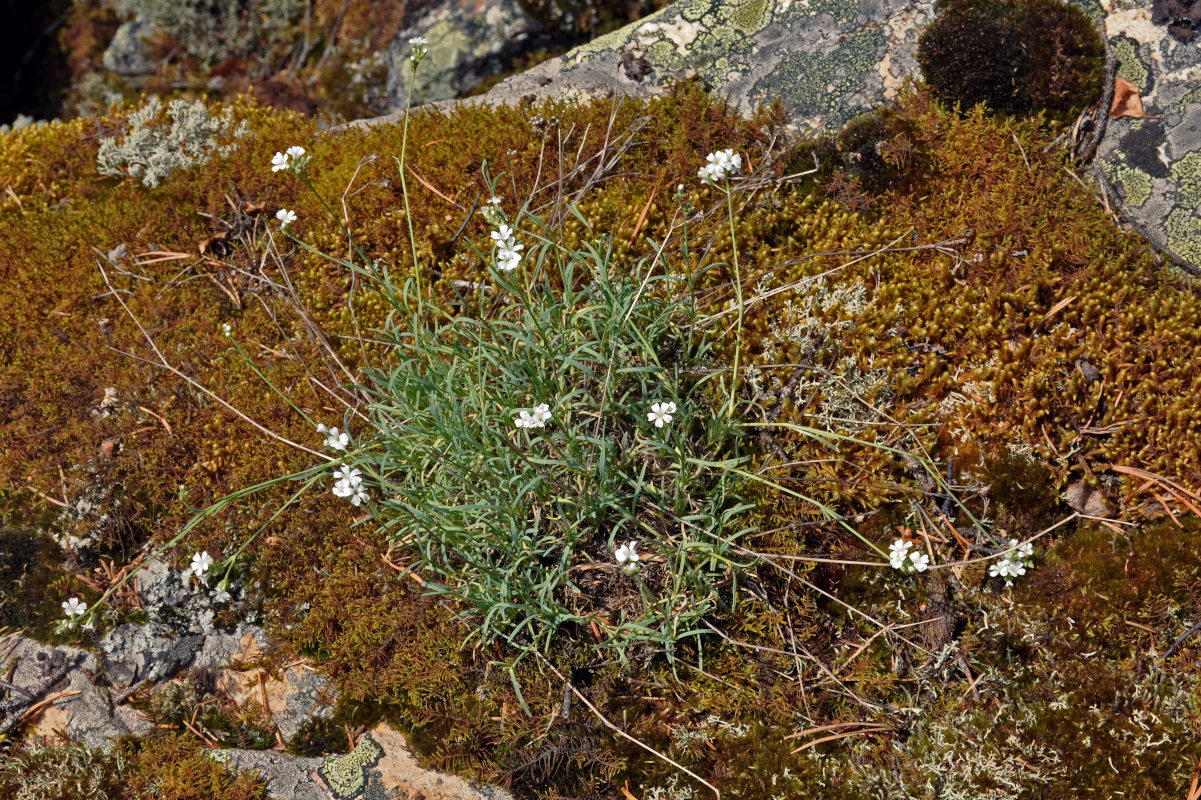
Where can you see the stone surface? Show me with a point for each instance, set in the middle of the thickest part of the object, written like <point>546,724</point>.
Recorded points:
<point>470,41</point>
<point>291,695</point>
<point>826,60</point>
<point>1153,166</point>
<point>81,706</point>
<point>381,767</point>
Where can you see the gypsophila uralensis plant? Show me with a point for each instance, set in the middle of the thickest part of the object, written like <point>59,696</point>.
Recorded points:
<point>161,140</point>
<point>517,453</point>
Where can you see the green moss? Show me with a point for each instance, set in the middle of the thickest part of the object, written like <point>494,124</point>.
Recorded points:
<point>1016,56</point>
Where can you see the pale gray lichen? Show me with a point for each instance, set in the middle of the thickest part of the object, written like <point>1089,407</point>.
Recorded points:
<point>153,148</point>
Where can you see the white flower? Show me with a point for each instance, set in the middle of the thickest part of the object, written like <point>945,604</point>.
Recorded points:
<point>334,440</point>
<point>919,562</point>
<point>279,161</point>
<point>343,489</point>
<point>200,564</point>
<point>1024,551</point>
<point>536,418</point>
<point>660,413</point>
<point>74,608</point>
<point>508,260</point>
<point>898,553</point>
<point>627,556</point>
<point>419,41</point>
<point>503,236</point>
<point>359,494</point>
<point>285,217</point>
<point>348,475</point>
<point>494,200</point>
<point>295,151</point>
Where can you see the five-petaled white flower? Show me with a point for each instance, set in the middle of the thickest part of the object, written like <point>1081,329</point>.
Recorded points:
<point>295,151</point>
<point>74,608</point>
<point>627,556</point>
<point>419,41</point>
<point>334,439</point>
<point>660,413</point>
<point>285,217</point>
<point>359,494</point>
<point>279,161</point>
<point>200,564</point>
<point>919,562</point>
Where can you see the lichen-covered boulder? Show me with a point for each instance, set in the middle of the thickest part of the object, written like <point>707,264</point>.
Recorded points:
<point>1153,164</point>
<point>825,60</point>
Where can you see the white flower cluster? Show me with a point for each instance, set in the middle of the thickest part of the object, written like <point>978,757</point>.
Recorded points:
<point>334,439</point>
<point>1014,563</point>
<point>350,484</point>
<point>199,567</point>
<point>508,254</point>
<point>721,166</point>
<point>492,212</point>
<point>627,557</point>
<point>418,44</point>
<point>537,417</point>
<point>902,556</point>
<point>660,413</point>
<point>291,159</point>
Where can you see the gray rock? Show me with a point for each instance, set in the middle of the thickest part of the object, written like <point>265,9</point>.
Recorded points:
<point>826,60</point>
<point>1153,166</point>
<point>126,53</point>
<point>470,41</point>
<point>286,776</point>
<point>152,652</point>
<point>84,711</point>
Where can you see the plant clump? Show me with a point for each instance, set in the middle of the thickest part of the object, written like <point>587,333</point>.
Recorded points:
<point>1017,56</point>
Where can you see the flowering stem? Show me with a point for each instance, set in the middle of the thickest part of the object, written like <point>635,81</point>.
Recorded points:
<point>404,189</point>
<point>738,297</point>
